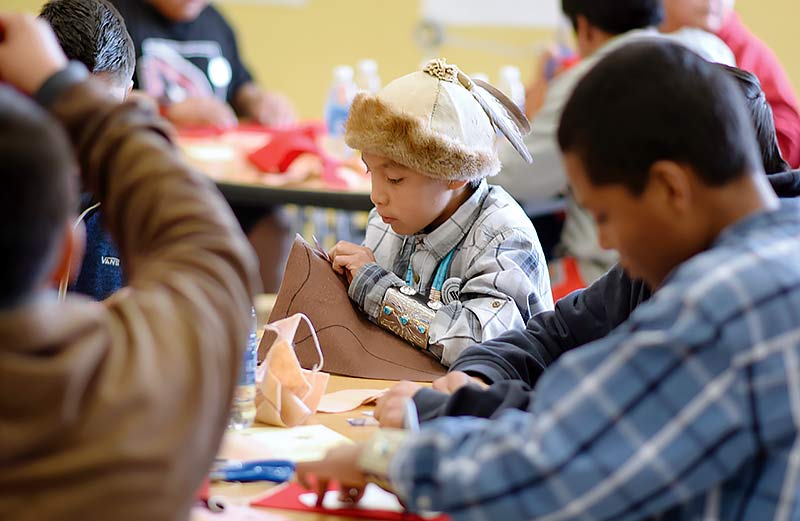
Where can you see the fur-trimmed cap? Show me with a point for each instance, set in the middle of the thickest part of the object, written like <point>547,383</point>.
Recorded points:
<point>433,121</point>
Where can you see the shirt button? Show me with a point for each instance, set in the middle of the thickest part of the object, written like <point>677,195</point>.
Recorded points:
<point>496,304</point>
<point>424,503</point>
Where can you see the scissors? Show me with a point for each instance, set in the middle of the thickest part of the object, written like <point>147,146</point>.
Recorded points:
<point>277,471</point>
<point>320,250</point>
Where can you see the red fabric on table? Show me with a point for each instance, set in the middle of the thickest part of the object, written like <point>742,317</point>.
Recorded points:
<point>288,499</point>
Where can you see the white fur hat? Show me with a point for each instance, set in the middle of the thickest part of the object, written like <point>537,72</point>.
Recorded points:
<point>438,122</point>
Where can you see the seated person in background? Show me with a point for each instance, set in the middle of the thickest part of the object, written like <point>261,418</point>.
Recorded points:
<point>93,33</point>
<point>688,409</point>
<point>115,410</point>
<point>514,361</point>
<point>188,60</point>
<point>751,54</point>
<point>439,234</point>
<point>600,28</point>
<point>761,115</point>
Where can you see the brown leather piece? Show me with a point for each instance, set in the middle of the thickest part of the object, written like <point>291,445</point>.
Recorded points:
<point>351,344</point>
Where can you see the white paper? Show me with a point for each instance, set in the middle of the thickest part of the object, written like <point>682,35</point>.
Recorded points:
<point>303,443</point>
<point>508,13</point>
<point>234,513</point>
<point>375,498</point>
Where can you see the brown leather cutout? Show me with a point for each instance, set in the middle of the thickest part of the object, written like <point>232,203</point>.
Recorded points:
<point>352,345</point>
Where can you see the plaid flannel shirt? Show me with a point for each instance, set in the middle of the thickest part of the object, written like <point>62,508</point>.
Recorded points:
<point>498,259</point>
<point>689,410</point>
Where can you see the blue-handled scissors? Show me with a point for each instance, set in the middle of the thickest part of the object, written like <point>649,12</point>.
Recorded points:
<point>277,471</point>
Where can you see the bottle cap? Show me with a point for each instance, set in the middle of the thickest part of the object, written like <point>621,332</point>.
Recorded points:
<point>343,73</point>
<point>510,73</point>
<point>367,66</point>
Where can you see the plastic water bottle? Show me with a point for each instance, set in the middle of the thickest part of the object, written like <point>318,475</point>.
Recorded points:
<point>512,86</point>
<point>243,408</point>
<point>564,56</point>
<point>337,107</point>
<point>367,77</point>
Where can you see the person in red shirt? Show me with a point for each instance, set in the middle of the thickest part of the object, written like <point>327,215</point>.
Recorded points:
<point>752,54</point>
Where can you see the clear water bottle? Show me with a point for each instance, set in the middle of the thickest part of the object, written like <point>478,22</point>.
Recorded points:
<point>564,56</point>
<point>337,108</point>
<point>512,86</point>
<point>367,77</point>
<point>243,408</point>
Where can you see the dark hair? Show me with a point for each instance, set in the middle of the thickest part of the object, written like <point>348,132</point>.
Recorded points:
<point>657,100</point>
<point>615,16</point>
<point>94,33</point>
<point>762,118</point>
<point>39,193</point>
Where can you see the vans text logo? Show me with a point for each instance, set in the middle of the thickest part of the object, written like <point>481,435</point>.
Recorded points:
<point>109,261</point>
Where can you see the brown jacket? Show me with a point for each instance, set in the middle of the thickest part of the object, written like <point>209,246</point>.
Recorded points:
<point>115,410</point>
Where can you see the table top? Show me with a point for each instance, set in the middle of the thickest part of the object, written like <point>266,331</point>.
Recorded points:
<point>241,492</point>
<point>223,157</point>
<point>259,194</point>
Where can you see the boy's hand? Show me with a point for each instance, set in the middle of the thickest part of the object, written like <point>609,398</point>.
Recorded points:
<point>347,258</point>
<point>29,52</point>
<point>390,411</point>
<point>452,382</point>
<point>201,112</point>
<point>341,465</point>
<point>272,109</point>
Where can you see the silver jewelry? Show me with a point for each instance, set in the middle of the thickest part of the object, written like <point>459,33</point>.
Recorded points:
<point>408,290</point>
<point>451,290</point>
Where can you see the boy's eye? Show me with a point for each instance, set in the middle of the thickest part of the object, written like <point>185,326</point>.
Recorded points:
<point>394,180</point>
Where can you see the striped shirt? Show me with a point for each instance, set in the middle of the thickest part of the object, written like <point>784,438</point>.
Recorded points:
<point>690,410</point>
<point>498,263</point>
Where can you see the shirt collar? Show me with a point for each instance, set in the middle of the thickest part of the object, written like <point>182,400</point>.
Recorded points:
<point>451,232</point>
<point>788,213</point>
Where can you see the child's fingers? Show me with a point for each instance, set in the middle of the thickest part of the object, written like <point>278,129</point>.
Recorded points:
<point>340,263</point>
<point>322,487</point>
<point>351,494</point>
<point>341,248</point>
<point>441,384</point>
<point>347,262</point>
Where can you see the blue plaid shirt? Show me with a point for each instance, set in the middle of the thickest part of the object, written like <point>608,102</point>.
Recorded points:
<point>690,410</point>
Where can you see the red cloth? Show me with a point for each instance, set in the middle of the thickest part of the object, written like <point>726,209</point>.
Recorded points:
<point>565,277</point>
<point>754,56</point>
<point>287,499</point>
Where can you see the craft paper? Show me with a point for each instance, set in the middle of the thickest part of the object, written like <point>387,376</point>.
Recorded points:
<point>349,399</point>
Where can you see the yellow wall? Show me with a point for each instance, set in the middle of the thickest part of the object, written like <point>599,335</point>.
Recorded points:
<point>294,49</point>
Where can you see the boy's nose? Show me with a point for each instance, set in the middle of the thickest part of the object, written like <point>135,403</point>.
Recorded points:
<point>378,196</point>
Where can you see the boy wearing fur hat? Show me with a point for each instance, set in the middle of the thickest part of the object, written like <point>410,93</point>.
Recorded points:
<point>448,259</point>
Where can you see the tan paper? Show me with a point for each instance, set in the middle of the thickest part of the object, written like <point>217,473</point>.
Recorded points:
<point>286,394</point>
<point>349,399</point>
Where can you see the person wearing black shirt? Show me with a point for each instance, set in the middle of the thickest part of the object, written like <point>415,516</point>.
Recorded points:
<point>188,59</point>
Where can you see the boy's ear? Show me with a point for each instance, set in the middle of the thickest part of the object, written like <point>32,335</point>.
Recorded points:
<point>670,183</point>
<point>584,34</point>
<point>70,256</point>
<point>456,185</point>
